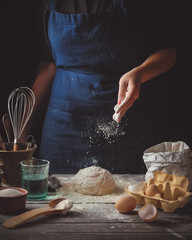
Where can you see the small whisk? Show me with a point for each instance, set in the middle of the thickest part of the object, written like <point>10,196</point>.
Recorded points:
<point>20,106</point>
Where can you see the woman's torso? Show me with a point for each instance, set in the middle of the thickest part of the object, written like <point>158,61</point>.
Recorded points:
<point>92,51</point>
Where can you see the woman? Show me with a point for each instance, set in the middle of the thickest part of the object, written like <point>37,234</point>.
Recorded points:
<point>100,54</point>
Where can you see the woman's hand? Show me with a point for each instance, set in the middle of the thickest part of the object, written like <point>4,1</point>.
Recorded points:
<point>129,84</point>
<point>129,90</point>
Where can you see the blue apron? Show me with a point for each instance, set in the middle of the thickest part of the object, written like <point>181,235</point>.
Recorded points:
<point>91,53</point>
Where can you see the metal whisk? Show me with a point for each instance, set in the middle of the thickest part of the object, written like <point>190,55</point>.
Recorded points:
<point>20,106</point>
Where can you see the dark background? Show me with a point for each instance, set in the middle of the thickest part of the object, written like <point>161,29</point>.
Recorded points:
<point>19,49</point>
<point>19,57</point>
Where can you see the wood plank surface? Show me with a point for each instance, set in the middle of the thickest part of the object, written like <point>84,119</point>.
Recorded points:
<point>100,221</point>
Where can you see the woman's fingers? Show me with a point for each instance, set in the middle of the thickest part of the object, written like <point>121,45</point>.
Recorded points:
<point>116,107</point>
<point>123,85</point>
<point>129,89</point>
<point>118,115</point>
<point>127,102</point>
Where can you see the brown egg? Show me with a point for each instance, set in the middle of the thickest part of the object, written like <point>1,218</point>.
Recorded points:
<point>148,213</point>
<point>151,190</point>
<point>125,204</point>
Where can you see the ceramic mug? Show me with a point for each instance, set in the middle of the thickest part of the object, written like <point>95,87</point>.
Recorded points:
<point>10,168</point>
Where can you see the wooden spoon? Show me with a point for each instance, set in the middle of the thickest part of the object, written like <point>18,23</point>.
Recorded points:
<point>7,126</point>
<point>52,208</point>
<point>2,143</point>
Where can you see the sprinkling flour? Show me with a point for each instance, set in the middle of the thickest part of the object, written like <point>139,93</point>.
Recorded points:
<point>109,130</point>
<point>104,129</point>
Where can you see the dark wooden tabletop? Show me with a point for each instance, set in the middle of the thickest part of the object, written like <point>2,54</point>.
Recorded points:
<point>100,220</point>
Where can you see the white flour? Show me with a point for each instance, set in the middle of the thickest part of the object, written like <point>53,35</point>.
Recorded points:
<point>109,130</point>
<point>9,192</point>
<point>86,204</point>
<point>109,213</point>
<point>65,204</point>
<point>121,183</point>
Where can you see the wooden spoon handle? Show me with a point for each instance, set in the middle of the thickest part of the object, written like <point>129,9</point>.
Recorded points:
<point>16,147</point>
<point>20,219</point>
<point>2,144</point>
<point>8,127</point>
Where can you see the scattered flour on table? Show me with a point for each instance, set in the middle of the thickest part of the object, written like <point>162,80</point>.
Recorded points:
<point>106,212</point>
<point>88,204</point>
<point>121,182</point>
<point>9,192</point>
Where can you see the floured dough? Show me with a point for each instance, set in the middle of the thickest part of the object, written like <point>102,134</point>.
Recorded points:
<point>93,181</point>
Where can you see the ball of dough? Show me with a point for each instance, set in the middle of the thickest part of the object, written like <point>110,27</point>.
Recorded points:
<point>93,181</point>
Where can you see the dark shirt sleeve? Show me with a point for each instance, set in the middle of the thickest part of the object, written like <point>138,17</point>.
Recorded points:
<point>44,51</point>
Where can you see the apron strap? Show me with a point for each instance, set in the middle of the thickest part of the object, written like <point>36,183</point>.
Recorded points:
<point>52,5</point>
<point>47,12</point>
<point>45,30</point>
<point>118,4</point>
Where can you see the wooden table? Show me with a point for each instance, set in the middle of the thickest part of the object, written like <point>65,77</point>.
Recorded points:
<point>101,221</point>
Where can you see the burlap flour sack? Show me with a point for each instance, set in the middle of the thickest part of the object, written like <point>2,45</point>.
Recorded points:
<point>170,157</point>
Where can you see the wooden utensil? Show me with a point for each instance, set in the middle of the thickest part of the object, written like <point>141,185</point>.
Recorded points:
<point>52,208</point>
<point>7,126</point>
<point>2,143</point>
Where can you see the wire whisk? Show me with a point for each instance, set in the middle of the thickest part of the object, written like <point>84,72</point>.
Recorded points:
<point>20,106</point>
